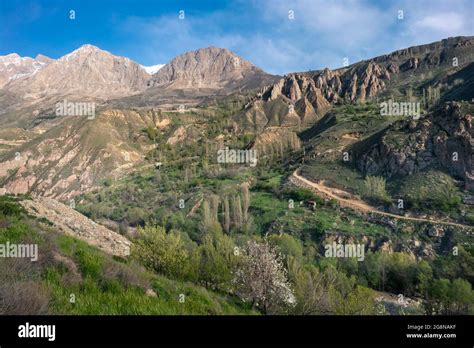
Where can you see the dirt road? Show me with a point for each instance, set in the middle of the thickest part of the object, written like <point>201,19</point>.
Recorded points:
<point>345,199</point>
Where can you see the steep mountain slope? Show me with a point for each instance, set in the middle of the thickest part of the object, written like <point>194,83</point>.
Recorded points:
<point>75,256</point>
<point>86,75</point>
<point>92,75</point>
<point>459,85</point>
<point>196,77</point>
<point>68,155</point>
<point>11,138</point>
<point>73,156</point>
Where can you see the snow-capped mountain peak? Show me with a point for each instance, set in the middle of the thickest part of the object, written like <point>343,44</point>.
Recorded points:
<point>13,66</point>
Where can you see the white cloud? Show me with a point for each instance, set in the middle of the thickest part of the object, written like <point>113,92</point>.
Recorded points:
<point>322,33</point>
<point>443,23</point>
<point>166,36</point>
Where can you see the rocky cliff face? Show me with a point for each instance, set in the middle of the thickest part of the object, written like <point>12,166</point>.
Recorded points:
<point>425,57</point>
<point>359,82</point>
<point>211,68</point>
<point>304,98</point>
<point>444,138</point>
<point>87,71</point>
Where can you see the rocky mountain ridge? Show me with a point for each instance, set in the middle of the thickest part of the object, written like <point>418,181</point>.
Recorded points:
<point>90,74</point>
<point>73,154</point>
<point>303,98</point>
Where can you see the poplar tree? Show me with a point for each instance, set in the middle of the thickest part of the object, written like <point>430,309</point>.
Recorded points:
<point>238,208</point>
<point>245,201</point>
<point>214,207</point>
<point>206,216</point>
<point>226,214</point>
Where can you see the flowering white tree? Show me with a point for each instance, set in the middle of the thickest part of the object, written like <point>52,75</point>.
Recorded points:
<point>261,278</point>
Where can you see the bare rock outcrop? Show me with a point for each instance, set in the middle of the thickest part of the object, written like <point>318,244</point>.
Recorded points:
<point>307,97</point>
<point>73,223</point>
<point>443,138</point>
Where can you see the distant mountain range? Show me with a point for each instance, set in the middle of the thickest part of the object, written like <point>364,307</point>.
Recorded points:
<point>87,71</point>
<point>92,72</point>
<point>30,86</point>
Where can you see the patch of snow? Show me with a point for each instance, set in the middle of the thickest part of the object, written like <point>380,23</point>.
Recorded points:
<point>153,69</point>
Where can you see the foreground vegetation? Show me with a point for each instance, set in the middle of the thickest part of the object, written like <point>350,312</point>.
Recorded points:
<point>72,277</point>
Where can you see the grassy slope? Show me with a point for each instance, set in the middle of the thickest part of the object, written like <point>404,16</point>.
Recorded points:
<point>102,284</point>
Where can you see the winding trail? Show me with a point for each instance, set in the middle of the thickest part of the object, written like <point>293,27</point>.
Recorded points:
<point>345,199</point>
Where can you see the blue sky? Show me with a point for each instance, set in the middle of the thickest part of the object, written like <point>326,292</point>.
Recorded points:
<point>321,33</point>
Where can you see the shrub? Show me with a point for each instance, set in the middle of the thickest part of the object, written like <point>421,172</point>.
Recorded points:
<point>9,207</point>
<point>20,292</point>
<point>136,216</point>
<point>90,264</point>
<point>124,274</point>
<point>288,245</point>
<point>431,191</point>
<point>301,194</point>
<point>23,298</point>
<point>160,251</point>
<point>216,260</point>
<point>375,189</point>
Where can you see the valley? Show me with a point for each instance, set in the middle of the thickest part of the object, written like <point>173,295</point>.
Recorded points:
<point>188,179</point>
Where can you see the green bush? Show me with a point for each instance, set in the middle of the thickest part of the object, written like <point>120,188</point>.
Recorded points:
<point>9,207</point>
<point>160,251</point>
<point>375,189</point>
<point>301,194</point>
<point>216,260</point>
<point>287,245</point>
